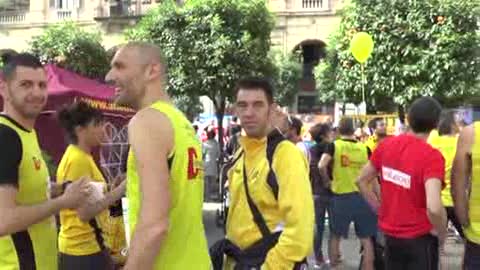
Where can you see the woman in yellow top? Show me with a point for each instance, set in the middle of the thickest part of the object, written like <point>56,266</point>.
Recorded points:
<point>80,240</point>
<point>445,140</point>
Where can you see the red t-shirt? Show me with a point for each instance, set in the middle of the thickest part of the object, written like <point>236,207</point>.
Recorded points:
<point>405,162</point>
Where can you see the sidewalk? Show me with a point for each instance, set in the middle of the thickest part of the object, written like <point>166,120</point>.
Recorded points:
<point>349,247</point>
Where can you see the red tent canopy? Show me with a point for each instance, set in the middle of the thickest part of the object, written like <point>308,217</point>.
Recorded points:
<point>65,87</point>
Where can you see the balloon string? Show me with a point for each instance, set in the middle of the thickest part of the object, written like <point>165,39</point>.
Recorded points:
<point>364,81</point>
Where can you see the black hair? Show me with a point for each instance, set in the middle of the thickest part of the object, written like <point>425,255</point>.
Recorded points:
<point>296,124</point>
<point>211,134</point>
<point>12,61</point>
<point>346,126</point>
<point>447,120</point>
<point>256,83</point>
<point>372,125</point>
<point>320,131</point>
<point>78,114</point>
<point>235,130</point>
<point>424,114</point>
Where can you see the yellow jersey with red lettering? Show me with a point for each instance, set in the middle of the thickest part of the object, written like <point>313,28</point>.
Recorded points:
<point>185,246</point>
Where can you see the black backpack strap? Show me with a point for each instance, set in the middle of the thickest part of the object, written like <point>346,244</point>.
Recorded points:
<point>257,216</point>
<point>273,139</point>
<point>238,154</point>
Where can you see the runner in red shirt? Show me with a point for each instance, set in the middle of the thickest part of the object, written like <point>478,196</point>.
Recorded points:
<point>411,213</point>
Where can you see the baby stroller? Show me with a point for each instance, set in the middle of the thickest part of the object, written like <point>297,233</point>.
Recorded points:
<point>222,211</point>
<point>225,165</point>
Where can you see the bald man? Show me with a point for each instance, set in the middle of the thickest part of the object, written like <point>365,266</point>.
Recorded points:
<point>164,175</point>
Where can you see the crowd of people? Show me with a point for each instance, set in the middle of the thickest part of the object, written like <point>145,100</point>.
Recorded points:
<point>398,191</point>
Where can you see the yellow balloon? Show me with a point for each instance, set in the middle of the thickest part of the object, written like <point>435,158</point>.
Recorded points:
<point>361,46</point>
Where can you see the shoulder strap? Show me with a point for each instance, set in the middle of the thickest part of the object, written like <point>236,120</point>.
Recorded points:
<point>273,140</point>
<point>257,216</point>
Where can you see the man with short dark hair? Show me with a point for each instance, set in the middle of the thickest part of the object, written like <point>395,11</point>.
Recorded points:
<point>322,135</point>
<point>379,132</point>
<point>28,236</point>
<point>271,210</point>
<point>347,157</point>
<point>411,213</point>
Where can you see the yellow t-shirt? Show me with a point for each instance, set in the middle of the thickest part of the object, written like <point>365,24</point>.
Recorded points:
<point>78,238</point>
<point>447,145</point>
<point>372,143</point>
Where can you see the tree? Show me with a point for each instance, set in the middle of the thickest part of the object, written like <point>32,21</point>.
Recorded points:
<point>73,48</point>
<point>422,48</point>
<point>209,45</point>
<point>288,73</point>
<point>191,106</point>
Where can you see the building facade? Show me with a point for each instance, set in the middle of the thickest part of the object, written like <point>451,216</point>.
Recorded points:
<point>302,26</point>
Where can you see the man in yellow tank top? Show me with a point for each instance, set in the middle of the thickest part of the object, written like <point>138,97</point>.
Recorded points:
<point>347,157</point>
<point>27,230</point>
<point>466,192</point>
<point>446,142</point>
<point>164,170</point>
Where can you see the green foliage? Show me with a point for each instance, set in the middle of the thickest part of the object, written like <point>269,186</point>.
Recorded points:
<point>73,48</point>
<point>191,106</point>
<point>422,47</point>
<point>52,167</point>
<point>209,44</point>
<point>288,72</point>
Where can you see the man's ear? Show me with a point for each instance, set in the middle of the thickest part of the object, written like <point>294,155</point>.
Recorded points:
<point>3,89</point>
<point>274,109</point>
<point>154,70</point>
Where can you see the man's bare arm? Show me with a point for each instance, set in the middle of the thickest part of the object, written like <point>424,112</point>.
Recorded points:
<point>461,172</point>
<point>325,160</point>
<point>435,209</point>
<point>151,138</point>
<point>16,218</point>
<point>367,177</point>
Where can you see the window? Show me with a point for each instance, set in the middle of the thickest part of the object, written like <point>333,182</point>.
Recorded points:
<point>66,4</point>
<point>312,3</point>
<point>14,5</point>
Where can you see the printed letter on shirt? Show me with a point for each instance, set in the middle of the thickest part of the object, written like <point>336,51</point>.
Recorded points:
<point>397,177</point>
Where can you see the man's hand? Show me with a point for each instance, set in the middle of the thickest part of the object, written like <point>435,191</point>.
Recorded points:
<point>56,190</point>
<point>76,194</point>
<point>116,181</point>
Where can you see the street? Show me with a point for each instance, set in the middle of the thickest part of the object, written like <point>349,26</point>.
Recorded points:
<point>349,247</point>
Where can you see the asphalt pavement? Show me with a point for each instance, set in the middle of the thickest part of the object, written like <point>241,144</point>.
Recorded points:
<point>349,247</point>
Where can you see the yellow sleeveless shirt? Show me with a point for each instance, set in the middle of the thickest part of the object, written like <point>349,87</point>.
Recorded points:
<point>185,246</point>
<point>472,232</point>
<point>39,240</point>
<point>349,159</point>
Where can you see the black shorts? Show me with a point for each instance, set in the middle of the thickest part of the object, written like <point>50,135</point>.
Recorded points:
<point>97,261</point>
<point>472,256</point>
<point>420,253</point>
